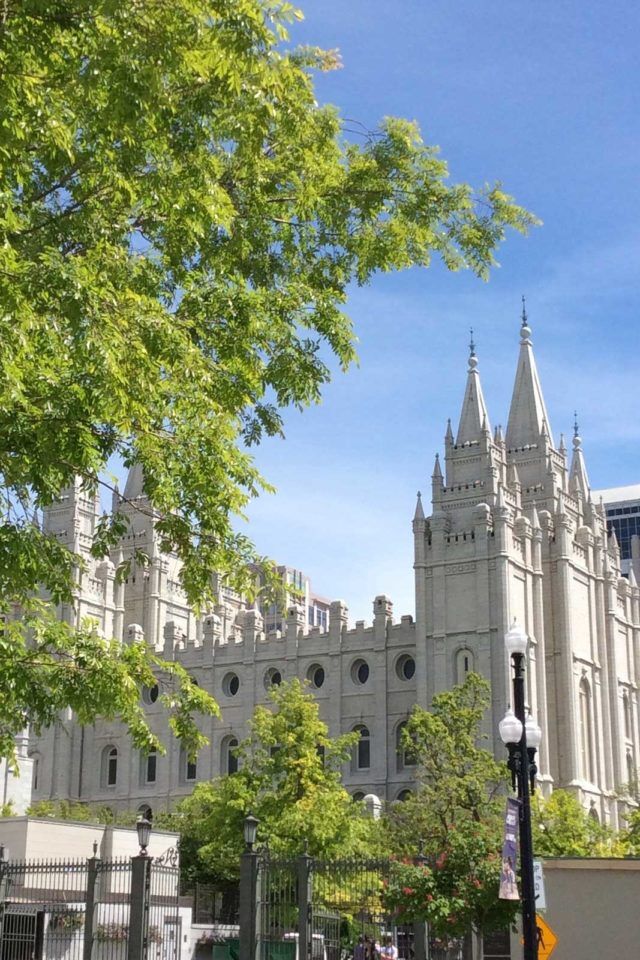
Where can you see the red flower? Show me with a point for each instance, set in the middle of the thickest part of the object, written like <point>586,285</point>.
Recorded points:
<point>476,883</point>
<point>429,898</point>
<point>408,891</point>
<point>440,862</point>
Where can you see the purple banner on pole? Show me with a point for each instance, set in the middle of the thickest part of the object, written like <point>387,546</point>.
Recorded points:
<point>508,882</point>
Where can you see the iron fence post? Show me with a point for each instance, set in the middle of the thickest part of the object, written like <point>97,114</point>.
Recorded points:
<point>93,866</point>
<point>139,909</point>
<point>305,897</point>
<point>248,907</point>
<point>3,889</point>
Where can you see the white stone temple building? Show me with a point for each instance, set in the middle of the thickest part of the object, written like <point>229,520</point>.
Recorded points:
<point>512,532</point>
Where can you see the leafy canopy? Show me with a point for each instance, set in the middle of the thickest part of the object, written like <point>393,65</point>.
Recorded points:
<point>456,816</point>
<point>289,776</point>
<point>179,223</point>
<point>563,828</point>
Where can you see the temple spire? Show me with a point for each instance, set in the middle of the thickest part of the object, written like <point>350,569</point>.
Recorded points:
<point>134,487</point>
<point>474,419</point>
<point>419,513</point>
<point>528,418</point>
<point>578,475</point>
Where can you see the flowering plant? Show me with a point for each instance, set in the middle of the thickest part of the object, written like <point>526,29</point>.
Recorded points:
<point>67,920</point>
<point>112,932</point>
<point>455,890</point>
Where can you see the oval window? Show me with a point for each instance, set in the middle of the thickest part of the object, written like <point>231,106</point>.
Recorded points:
<point>315,675</point>
<point>272,677</point>
<point>231,684</point>
<point>405,667</point>
<point>150,694</point>
<point>360,672</point>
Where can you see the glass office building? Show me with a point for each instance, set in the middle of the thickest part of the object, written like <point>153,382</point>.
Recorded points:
<point>622,505</point>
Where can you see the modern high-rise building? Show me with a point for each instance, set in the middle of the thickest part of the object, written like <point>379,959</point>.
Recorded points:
<point>622,508</point>
<point>512,532</point>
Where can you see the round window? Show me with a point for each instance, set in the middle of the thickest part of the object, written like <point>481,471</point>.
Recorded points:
<point>150,694</point>
<point>405,667</point>
<point>272,677</point>
<point>360,671</point>
<point>231,685</point>
<point>315,674</point>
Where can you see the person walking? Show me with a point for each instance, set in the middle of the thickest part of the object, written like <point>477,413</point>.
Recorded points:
<point>388,950</point>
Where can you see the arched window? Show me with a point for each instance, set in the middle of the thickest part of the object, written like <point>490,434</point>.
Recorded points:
<point>406,757</point>
<point>403,795</point>
<point>145,812</point>
<point>586,741</point>
<point>631,772</point>
<point>228,756</point>
<point>35,770</point>
<point>358,796</point>
<point>188,767</point>
<point>464,664</point>
<point>626,708</point>
<point>148,767</point>
<point>362,754</point>
<point>109,767</point>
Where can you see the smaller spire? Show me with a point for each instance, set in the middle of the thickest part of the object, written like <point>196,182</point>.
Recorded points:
<point>535,519</point>
<point>633,583</point>
<point>614,546</point>
<point>437,472</point>
<point>419,514</point>
<point>562,449</point>
<point>544,431</point>
<point>448,437</point>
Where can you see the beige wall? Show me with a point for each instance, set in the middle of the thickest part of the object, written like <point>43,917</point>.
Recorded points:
<point>593,907</point>
<point>25,838</point>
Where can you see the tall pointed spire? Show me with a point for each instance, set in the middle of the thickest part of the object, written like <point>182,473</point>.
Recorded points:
<point>134,487</point>
<point>528,418</point>
<point>419,514</point>
<point>578,474</point>
<point>473,418</point>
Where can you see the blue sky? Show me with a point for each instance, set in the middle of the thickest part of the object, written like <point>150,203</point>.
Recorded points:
<point>543,97</point>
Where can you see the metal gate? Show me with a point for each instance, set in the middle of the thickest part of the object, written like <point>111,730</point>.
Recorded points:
<point>308,909</point>
<point>81,910</point>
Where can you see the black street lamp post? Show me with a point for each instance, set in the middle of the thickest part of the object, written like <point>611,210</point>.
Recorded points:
<point>249,890</point>
<point>522,736</point>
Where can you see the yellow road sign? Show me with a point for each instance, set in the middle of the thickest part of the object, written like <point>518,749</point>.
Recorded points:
<point>546,939</point>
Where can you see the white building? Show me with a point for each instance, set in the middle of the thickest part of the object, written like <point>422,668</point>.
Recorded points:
<point>513,532</point>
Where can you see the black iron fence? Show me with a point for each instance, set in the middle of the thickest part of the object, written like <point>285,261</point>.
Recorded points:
<point>89,910</point>
<point>310,909</point>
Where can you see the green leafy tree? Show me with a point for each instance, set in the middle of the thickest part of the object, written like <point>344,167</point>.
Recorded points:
<point>179,223</point>
<point>79,812</point>
<point>456,817</point>
<point>289,776</point>
<point>563,828</point>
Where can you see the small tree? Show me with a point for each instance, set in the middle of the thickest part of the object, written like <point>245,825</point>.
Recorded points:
<point>563,828</point>
<point>457,813</point>
<point>288,775</point>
